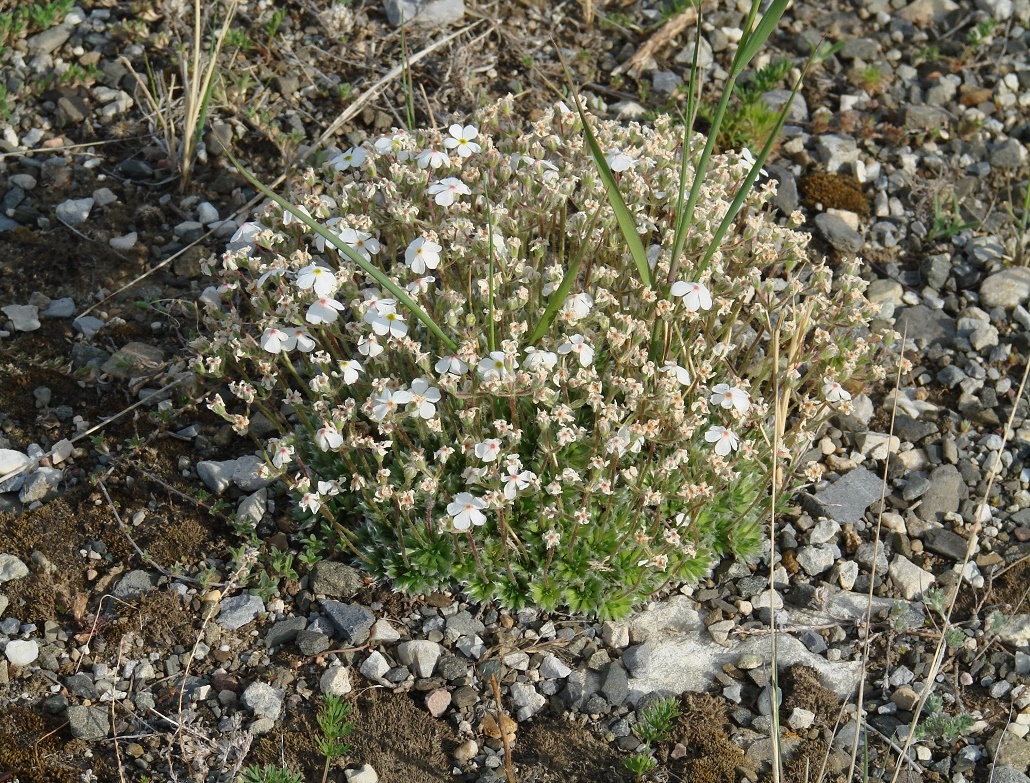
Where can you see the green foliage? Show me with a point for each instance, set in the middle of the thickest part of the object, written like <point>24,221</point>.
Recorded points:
<point>655,724</point>
<point>335,726</point>
<point>982,33</point>
<point>31,17</point>
<point>947,221</point>
<point>749,121</point>
<point>937,724</point>
<point>640,764</point>
<point>270,774</point>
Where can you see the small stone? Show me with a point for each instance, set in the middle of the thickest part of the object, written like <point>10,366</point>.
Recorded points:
<point>87,326</point>
<point>335,580</point>
<point>615,635</point>
<point>21,653</point>
<point>312,642</point>
<point>552,668</point>
<point>420,656</point>
<point>847,499</point>
<point>74,211</point>
<point>335,681</point>
<point>801,719</point>
<point>364,774</point>
<point>25,318</point>
<point>124,242</point>
<point>40,485</point>
<point>926,12</point>
<point>906,698</point>
<point>239,610</point>
<point>437,702</point>
<point>1008,288</point>
<point>216,475</point>
<point>263,700</point>
<point>384,633</point>
<point>465,752</point>
<point>88,723</point>
<point>839,234</point>
<point>427,13</point>
<point>749,661</point>
<point>12,568</point>
<point>207,213</point>
<point>59,308</point>
<point>49,41</point>
<point>374,667</point>
<point>285,631</point>
<point>135,360</point>
<point>134,584</point>
<point>910,579</point>
<point>354,621</point>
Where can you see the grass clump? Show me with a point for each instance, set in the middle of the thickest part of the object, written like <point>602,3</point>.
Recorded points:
<point>477,385</point>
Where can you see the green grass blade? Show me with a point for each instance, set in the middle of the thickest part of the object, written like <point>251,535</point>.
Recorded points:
<point>369,268</point>
<point>749,181</point>
<point>627,225</point>
<point>756,40</point>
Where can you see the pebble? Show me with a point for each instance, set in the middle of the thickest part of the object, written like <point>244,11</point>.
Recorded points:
<point>336,681</point>
<point>239,610</point>
<point>263,700</point>
<point>124,242</point>
<point>74,211</point>
<point>364,774</point>
<point>25,318</point>
<point>425,13</point>
<point>12,568</point>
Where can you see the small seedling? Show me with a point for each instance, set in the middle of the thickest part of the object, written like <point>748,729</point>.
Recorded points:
<point>640,764</point>
<point>655,723</point>
<point>332,720</point>
<point>270,774</point>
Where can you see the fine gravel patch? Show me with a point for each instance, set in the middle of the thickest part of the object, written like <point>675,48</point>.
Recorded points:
<point>133,651</point>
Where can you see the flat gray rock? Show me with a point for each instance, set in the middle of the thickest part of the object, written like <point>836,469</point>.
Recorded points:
<point>74,211</point>
<point>434,13</point>
<point>134,584</point>
<point>946,492</point>
<point>24,317</point>
<point>59,308</point>
<point>217,475</point>
<point>263,700</point>
<point>846,500</point>
<point>238,610</point>
<point>353,621</point>
<point>839,234</point>
<point>335,580</point>
<point>1007,288</point>
<point>88,723</point>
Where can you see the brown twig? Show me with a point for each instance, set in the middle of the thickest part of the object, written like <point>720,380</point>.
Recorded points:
<point>636,64</point>
<point>508,771</point>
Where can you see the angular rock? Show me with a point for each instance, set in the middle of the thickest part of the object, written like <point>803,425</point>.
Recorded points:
<point>527,701</point>
<point>74,211</point>
<point>263,700</point>
<point>285,631</point>
<point>847,499</point>
<point>910,579</point>
<point>420,655</point>
<point>12,568</point>
<point>21,652</point>
<point>438,700</point>
<point>945,495</point>
<point>216,475</point>
<point>374,667</point>
<point>239,610</point>
<point>426,13</point>
<point>134,584</point>
<point>615,684</point>
<point>41,485</point>
<point>553,668</point>
<point>24,317</point>
<point>336,681</point>
<point>839,234</point>
<point>353,621</point>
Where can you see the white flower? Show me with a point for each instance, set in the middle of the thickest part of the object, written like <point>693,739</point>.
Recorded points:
<point>328,438</point>
<point>496,366</point>
<point>329,487</point>
<point>352,158</point>
<point>305,342</point>
<point>276,340</point>
<point>725,441</point>
<point>310,502</point>
<point>389,323</point>
<point>749,159</point>
<point>420,285</point>
<point>488,450</point>
<point>282,455</point>
<point>447,189</point>
<point>397,144</point>
<point>696,296</point>
<point>365,245</point>
<point>834,392</point>
<point>289,217</point>
<point>350,369</point>
<point>330,226</point>
<point>622,441</point>
<point>466,510</point>
<point>516,479</point>
<point>730,397</point>
<point>578,345</point>
<point>424,397</point>
<point>451,364</point>
<point>322,280</point>
<point>551,538</point>
<point>433,159</point>
<point>245,236</point>
<point>422,255</point>
<point>323,310</point>
<point>370,347</point>
<point>578,305</point>
<point>537,358</point>
<point>619,160</point>
<point>460,140</point>
<point>680,373</point>
<point>386,402</point>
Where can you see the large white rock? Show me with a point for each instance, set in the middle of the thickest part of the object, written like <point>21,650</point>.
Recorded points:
<point>21,653</point>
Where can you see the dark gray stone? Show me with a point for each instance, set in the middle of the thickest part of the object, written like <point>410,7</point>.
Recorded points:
<point>615,684</point>
<point>945,543</point>
<point>922,323</point>
<point>839,234</point>
<point>847,499</point>
<point>81,685</point>
<point>285,631</point>
<point>312,642</point>
<point>946,492</point>
<point>353,621</point>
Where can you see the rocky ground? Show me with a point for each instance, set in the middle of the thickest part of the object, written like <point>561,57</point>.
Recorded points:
<point>134,651</point>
